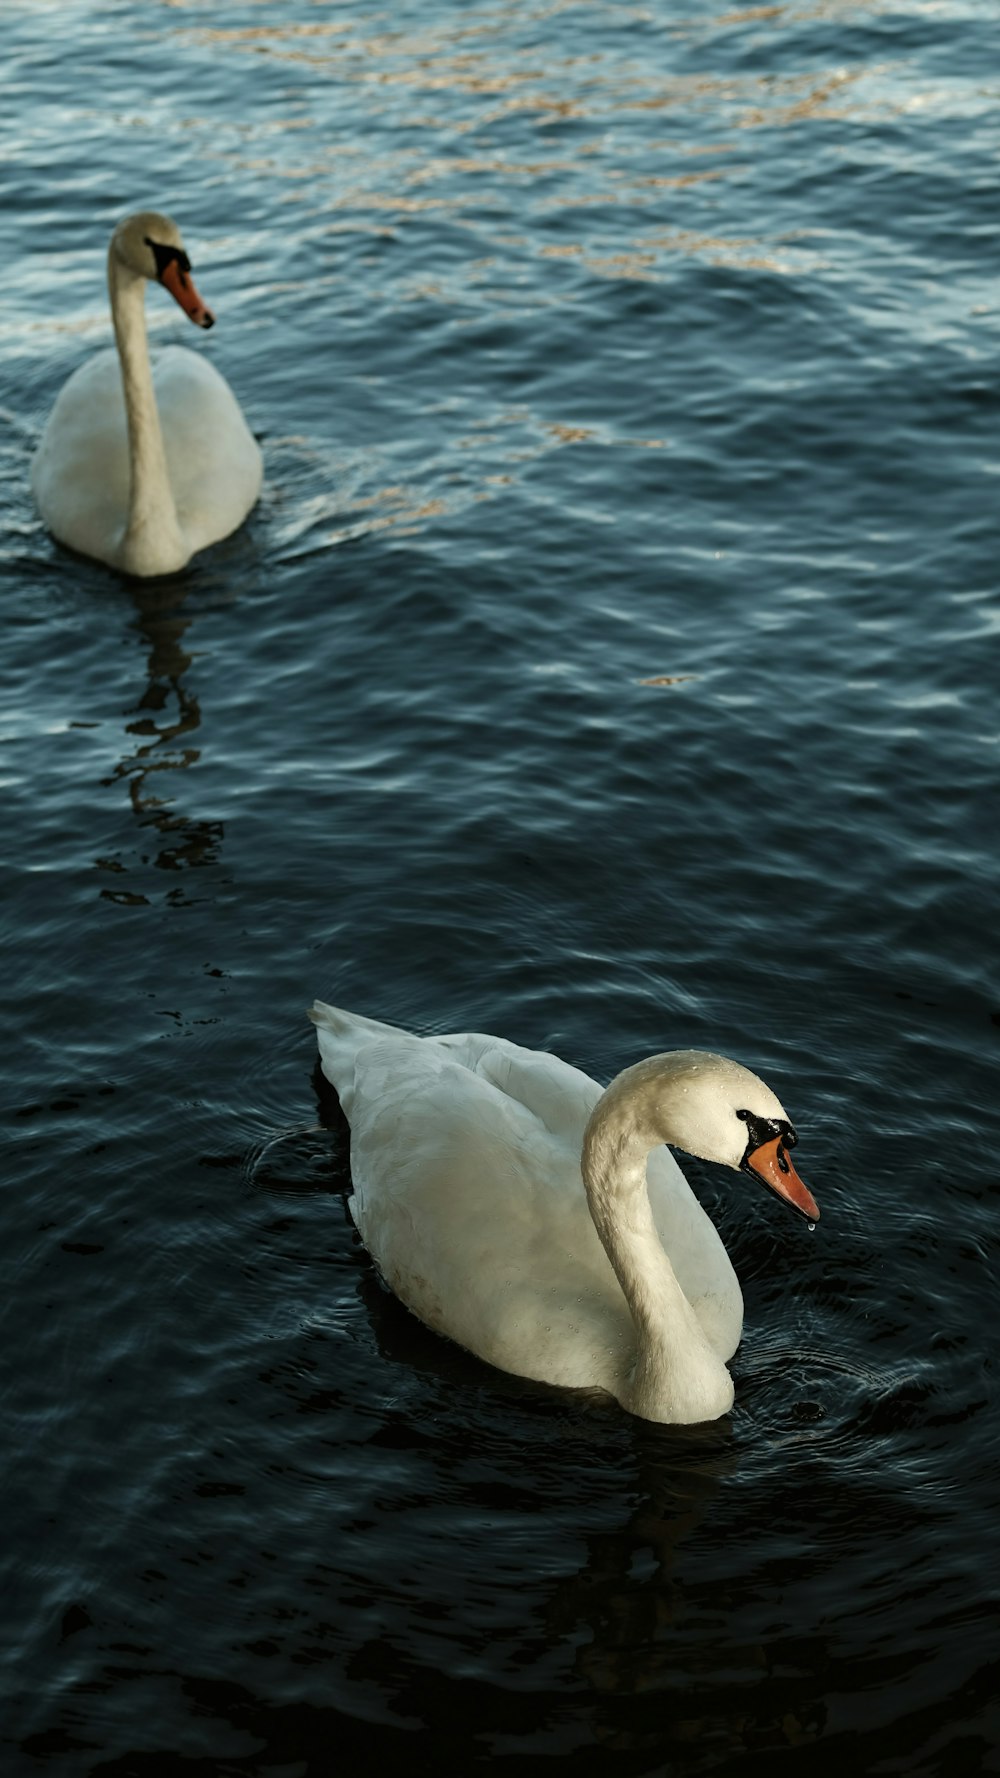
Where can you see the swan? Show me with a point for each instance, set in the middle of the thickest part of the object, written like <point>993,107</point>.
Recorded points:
<point>141,467</point>
<point>515,1206</point>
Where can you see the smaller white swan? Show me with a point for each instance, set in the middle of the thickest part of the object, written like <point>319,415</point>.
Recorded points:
<point>534,1218</point>
<point>141,466</point>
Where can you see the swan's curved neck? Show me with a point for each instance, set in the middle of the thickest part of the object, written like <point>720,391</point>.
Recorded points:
<point>151,542</point>
<point>674,1365</point>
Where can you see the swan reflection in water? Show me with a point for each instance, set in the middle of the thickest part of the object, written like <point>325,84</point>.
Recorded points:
<point>162,723</point>
<point>614,1557</point>
<point>589,1562</point>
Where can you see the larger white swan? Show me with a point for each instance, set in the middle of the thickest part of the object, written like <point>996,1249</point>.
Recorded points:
<point>517,1207</point>
<point>140,465</point>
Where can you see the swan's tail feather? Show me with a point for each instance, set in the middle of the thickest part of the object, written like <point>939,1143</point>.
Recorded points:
<point>341,1023</point>
<point>341,1035</point>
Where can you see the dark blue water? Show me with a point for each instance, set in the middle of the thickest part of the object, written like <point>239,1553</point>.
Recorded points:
<point>610,664</point>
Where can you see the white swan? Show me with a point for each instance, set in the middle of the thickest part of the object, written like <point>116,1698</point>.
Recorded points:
<point>466,1159</point>
<point>142,467</point>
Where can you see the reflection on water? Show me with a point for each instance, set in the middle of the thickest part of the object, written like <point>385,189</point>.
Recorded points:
<point>166,713</point>
<point>630,1575</point>
<point>625,1607</point>
<point>503,79</point>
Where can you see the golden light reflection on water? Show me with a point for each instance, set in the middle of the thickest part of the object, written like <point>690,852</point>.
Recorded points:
<point>529,80</point>
<point>502,72</point>
<point>527,160</point>
<point>473,466</point>
<point>491,136</point>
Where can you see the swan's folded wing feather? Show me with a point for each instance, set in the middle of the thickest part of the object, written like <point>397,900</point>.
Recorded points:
<point>80,473</point>
<point>213,459</point>
<point>558,1096</point>
<point>476,1216</point>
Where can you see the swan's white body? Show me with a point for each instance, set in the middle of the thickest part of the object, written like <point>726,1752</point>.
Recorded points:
<point>517,1207</point>
<point>143,465</point>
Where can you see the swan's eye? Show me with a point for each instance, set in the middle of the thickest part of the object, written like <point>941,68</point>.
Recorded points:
<point>743,1116</point>
<point>165,256</point>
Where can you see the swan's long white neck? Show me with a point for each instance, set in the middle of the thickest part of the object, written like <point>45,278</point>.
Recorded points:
<point>151,542</point>
<point>676,1374</point>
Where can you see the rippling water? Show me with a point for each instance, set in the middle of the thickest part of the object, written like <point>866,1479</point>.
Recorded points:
<point>611,664</point>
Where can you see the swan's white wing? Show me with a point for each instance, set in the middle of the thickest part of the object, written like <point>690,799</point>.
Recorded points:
<point>80,472</point>
<point>213,460</point>
<point>558,1096</point>
<point>473,1208</point>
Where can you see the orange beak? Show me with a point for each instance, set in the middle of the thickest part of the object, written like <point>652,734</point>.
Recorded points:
<point>181,287</point>
<point>770,1162</point>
